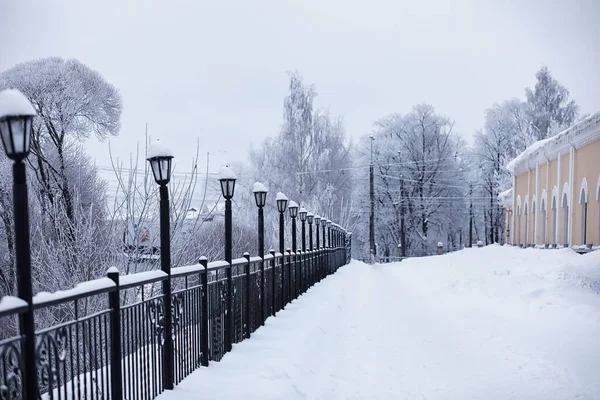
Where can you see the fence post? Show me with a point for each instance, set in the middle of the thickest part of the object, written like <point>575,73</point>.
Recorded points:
<point>274,282</point>
<point>248,296</point>
<point>204,310</point>
<point>114,303</point>
<point>263,298</point>
<point>287,299</point>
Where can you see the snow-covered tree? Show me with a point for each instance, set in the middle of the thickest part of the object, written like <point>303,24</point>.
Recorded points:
<point>417,179</point>
<point>309,158</point>
<point>551,108</point>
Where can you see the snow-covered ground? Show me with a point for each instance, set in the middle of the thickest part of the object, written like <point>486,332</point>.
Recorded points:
<point>488,323</point>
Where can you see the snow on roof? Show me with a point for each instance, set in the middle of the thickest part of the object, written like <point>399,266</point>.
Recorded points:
<point>157,149</point>
<point>259,187</point>
<point>293,204</point>
<point>548,142</point>
<point>14,103</point>
<point>505,197</point>
<point>281,196</point>
<point>226,173</point>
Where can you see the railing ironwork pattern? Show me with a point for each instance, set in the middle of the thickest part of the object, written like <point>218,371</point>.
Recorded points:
<point>107,341</point>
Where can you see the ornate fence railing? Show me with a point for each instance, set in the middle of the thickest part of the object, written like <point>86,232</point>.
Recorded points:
<point>107,339</point>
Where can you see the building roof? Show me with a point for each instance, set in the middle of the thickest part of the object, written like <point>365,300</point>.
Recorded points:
<point>583,129</point>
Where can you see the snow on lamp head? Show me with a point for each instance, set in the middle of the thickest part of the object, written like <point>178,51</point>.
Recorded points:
<point>303,214</point>
<point>260,194</point>
<point>310,217</point>
<point>227,179</point>
<point>282,202</point>
<point>160,159</point>
<point>293,207</point>
<point>16,121</point>
<point>318,220</point>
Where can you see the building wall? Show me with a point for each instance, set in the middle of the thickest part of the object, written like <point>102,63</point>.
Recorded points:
<point>564,178</point>
<point>542,185</point>
<point>586,166</point>
<point>552,177</point>
<point>570,159</point>
<point>520,190</point>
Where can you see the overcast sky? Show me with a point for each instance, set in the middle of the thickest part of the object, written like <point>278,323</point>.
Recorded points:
<point>217,70</point>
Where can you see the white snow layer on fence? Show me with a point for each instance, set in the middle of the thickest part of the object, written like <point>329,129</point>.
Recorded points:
<point>80,289</point>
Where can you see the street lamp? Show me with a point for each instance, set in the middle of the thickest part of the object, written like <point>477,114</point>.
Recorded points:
<point>260,196</point>
<point>293,208</point>
<point>160,159</point>
<point>16,120</point>
<point>329,233</point>
<point>318,223</point>
<point>227,180</point>
<point>303,213</point>
<point>282,202</point>
<point>310,217</point>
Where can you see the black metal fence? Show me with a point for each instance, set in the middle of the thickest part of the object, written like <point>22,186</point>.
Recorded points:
<point>108,339</point>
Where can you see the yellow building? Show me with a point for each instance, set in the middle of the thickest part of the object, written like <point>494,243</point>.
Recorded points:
<point>554,200</point>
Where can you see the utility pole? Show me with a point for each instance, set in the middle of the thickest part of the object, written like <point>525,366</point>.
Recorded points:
<point>372,217</point>
<point>470,215</point>
<point>402,229</point>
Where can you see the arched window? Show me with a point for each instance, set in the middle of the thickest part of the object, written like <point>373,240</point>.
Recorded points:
<point>583,201</point>
<point>519,220</point>
<point>543,209</point>
<point>534,220</point>
<point>526,225</point>
<point>565,206</point>
<point>555,216</point>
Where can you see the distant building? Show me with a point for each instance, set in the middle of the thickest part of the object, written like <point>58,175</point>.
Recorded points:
<point>554,200</point>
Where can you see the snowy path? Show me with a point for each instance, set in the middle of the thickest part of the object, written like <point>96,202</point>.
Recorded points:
<point>494,323</point>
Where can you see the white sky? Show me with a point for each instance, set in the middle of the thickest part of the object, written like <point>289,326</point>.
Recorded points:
<point>217,70</point>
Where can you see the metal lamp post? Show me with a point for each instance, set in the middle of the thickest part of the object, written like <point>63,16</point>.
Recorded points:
<point>303,213</point>
<point>16,121</point>
<point>310,217</point>
<point>260,196</point>
<point>319,258</point>
<point>160,160</point>
<point>318,224</point>
<point>282,202</point>
<point>293,208</point>
<point>227,180</point>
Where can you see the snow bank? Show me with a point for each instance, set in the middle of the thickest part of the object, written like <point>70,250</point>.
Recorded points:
<point>226,173</point>
<point>157,149</point>
<point>14,103</point>
<point>259,188</point>
<point>483,323</point>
